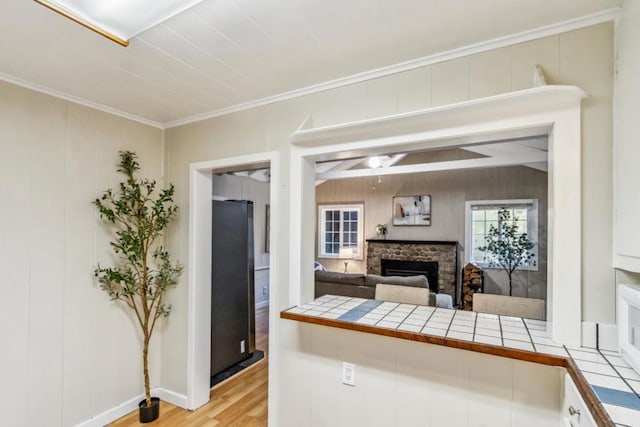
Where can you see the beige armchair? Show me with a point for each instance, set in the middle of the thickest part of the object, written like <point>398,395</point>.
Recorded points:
<point>528,308</point>
<point>402,294</point>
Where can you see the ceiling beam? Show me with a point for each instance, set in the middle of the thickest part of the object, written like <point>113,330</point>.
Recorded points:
<point>393,160</point>
<point>488,162</point>
<point>337,166</point>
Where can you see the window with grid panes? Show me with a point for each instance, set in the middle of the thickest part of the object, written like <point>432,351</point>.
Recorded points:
<point>482,214</point>
<point>340,226</point>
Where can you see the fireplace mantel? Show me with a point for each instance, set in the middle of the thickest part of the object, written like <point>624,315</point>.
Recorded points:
<point>414,242</point>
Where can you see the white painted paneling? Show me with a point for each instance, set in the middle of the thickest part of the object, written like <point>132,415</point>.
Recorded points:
<point>594,73</point>
<point>323,378</point>
<point>382,97</point>
<point>406,383</point>
<point>106,316</point>
<point>450,82</point>
<point>16,147</point>
<point>449,374</point>
<point>46,235</point>
<point>490,73</point>
<point>536,395</point>
<point>79,250</point>
<point>69,348</point>
<point>490,385</point>
<point>414,89</point>
<point>627,149</point>
<point>413,402</point>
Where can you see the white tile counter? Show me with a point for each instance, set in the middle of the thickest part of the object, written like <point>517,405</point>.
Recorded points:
<point>610,379</point>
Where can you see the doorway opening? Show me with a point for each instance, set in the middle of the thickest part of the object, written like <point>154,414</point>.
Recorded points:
<point>231,179</point>
<point>240,270</point>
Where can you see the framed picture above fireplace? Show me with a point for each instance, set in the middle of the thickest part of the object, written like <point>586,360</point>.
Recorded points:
<point>412,210</point>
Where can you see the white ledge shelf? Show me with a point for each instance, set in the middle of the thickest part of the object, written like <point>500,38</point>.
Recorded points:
<point>529,101</point>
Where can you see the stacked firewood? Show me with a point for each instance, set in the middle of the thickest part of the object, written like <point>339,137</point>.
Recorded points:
<point>472,282</point>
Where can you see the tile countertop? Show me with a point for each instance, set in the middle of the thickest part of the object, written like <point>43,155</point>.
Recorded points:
<point>613,382</point>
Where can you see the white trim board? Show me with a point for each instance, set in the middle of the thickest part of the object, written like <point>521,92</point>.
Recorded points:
<point>413,123</point>
<point>603,336</point>
<point>131,405</point>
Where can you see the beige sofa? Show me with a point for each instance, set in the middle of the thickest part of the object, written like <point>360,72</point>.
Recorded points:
<point>361,285</point>
<point>528,308</point>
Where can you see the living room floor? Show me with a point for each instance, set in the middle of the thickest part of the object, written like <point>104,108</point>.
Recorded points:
<point>239,401</point>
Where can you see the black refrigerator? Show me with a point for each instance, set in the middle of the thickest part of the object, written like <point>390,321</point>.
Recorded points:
<point>232,284</point>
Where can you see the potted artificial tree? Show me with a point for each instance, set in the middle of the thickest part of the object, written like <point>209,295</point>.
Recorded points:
<point>509,248</point>
<point>144,271</point>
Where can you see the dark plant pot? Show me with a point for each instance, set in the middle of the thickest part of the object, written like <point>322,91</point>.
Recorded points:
<point>146,413</point>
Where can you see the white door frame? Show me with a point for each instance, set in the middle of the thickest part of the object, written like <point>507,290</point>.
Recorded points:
<point>199,285</point>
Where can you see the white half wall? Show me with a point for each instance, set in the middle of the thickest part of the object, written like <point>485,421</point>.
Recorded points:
<point>406,383</point>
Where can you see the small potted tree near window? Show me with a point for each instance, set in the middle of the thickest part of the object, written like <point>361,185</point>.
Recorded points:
<point>509,248</point>
<point>144,271</point>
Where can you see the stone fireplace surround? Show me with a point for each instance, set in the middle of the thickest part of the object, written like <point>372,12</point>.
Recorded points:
<point>445,253</point>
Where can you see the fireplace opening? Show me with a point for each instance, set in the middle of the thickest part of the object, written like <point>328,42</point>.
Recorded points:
<point>429,269</point>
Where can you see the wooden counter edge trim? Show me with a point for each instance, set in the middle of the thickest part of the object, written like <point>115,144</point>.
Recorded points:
<point>600,415</point>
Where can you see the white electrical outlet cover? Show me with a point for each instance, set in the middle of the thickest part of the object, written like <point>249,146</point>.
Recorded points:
<point>348,373</point>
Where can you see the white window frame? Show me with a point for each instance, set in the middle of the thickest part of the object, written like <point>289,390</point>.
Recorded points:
<point>532,228</point>
<point>358,253</point>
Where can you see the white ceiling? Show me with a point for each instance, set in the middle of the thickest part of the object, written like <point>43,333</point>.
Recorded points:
<point>222,53</point>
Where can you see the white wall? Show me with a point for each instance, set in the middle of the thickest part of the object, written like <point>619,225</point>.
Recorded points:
<point>68,352</point>
<point>244,188</point>
<point>405,383</point>
<point>627,145</point>
<point>582,57</point>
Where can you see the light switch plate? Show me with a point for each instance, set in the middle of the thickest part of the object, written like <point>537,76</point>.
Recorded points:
<point>348,373</point>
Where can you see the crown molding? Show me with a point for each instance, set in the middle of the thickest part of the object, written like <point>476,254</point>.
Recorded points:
<point>608,15</point>
<point>77,100</point>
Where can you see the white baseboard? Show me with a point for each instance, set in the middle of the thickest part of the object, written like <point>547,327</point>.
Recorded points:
<point>112,414</point>
<point>262,304</point>
<point>131,405</point>
<point>606,337</point>
<point>172,397</point>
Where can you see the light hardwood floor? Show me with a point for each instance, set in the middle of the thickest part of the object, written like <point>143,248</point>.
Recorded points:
<point>239,401</point>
